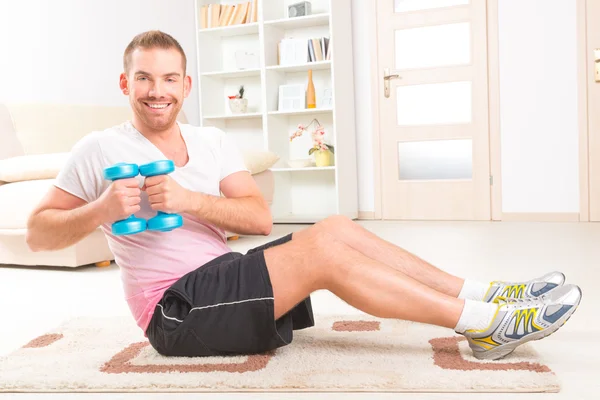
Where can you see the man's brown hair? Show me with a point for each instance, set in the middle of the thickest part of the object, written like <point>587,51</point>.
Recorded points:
<point>151,40</point>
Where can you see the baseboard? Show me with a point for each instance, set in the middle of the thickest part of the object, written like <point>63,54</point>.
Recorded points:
<point>541,217</point>
<point>366,215</point>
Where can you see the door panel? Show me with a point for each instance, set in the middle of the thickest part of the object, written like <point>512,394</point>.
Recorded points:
<point>593,43</point>
<point>434,113</point>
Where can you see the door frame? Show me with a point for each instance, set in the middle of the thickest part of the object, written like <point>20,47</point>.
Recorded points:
<point>494,114</point>
<point>583,72</point>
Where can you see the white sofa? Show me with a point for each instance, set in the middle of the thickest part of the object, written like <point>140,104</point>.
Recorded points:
<point>34,142</point>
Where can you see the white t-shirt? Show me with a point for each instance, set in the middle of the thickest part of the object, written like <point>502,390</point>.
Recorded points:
<point>151,262</point>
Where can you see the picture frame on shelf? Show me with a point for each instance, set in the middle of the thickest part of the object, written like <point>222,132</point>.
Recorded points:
<point>292,97</point>
<point>293,52</point>
<point>326,98</point>
<point>246,60</point>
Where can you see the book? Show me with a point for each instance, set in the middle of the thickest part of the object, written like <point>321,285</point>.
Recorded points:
<point>240,13</point>
<point>225,14</point>
<point>214,11</point>
<point>255,11</point>
<point>318,51</point>
<point>204,17</point>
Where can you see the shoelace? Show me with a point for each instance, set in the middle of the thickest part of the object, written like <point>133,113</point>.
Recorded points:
<point>533,301</point>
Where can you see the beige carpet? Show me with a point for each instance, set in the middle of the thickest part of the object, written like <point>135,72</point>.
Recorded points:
<point>346,353</point>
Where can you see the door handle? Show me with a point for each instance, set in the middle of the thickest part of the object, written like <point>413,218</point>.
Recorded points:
<point>597,65</point>
<point>386,81</point>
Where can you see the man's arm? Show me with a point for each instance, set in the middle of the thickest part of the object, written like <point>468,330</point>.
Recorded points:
<point>243,209</point>
<point>62,219</point>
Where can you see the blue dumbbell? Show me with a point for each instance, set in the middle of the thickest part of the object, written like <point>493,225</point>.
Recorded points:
<point>163,222</point>
<point>132,224</point>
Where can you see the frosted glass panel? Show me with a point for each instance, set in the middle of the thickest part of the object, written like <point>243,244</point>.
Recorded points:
<point>414,5</point>
<point>435,159</point>
<point>435,103</point>
<point>433,46</point>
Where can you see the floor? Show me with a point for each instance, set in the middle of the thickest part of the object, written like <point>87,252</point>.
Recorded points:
<point>36,300</point>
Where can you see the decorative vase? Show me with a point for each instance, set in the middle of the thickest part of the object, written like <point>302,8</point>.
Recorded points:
<point>238,106</point>
<point>323,158</point>
<point>311,101</point>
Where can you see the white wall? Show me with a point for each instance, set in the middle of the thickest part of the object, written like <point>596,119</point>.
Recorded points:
<point>538,104</point>
<point>71,51</point>
<point>363,53</point>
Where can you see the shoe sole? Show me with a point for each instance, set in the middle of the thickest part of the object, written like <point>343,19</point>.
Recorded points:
<point>505,349</point>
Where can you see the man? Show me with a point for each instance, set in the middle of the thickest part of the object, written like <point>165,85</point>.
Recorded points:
<point>193,296</point>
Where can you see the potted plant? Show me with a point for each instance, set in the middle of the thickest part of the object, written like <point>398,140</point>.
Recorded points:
<point>323,152</point>
<point>237,103</point>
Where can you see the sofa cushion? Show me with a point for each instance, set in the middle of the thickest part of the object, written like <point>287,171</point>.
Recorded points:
<point>32,167</point>
<point>258,161</point>
<point>47,166</point>
<point>17,200</point>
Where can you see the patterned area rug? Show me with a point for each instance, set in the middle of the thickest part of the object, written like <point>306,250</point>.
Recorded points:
<point>345,353</point>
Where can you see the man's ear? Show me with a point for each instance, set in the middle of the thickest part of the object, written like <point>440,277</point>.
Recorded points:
<point>123,84</point>
<point>187,86</point>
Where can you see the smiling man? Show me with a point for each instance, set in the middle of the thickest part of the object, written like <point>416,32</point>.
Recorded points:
<point>193,296</point>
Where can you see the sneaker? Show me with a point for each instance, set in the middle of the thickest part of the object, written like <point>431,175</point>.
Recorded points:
<point>518,321</point>
<point>522,290</point>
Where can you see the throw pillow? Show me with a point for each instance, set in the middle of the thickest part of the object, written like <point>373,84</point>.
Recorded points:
<point>258,161</point>
<point>32,167</point>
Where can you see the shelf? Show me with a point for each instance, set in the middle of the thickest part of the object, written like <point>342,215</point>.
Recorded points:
<point>299,22</point>
<point>233,74</point>
<point>315,66</point>
<point>303,169</point>
<point>232,30</point>
<point>302,112</point>
<point>303,193</point>
<point>235,116</point>
<point>298,218</point>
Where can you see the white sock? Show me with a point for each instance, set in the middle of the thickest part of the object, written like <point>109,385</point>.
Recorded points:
<point>473,290</point>
<point>476,315</point>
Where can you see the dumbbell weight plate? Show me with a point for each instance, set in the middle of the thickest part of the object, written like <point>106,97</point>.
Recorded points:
<point>164,222</point>
<point>161,167</point>
<point>129,226</point>
<point>121,171</point>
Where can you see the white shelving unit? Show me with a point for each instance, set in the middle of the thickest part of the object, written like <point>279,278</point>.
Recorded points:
<point>302,195</point>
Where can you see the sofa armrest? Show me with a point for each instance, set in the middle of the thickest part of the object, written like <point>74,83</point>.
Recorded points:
<point>11,147</point>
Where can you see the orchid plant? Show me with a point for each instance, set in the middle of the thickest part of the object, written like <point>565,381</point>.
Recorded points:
<point>318,137</point>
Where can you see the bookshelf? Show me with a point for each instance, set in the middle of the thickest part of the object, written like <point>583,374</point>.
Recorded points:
<point>302,194</point>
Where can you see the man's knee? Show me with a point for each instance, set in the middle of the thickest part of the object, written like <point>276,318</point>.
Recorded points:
<point>334,222</point>
<point>320,243</point>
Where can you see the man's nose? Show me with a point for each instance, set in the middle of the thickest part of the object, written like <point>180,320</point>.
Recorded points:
<point>156,90</point>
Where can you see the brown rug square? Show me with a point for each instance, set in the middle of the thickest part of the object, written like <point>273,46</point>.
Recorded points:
<point>343,353</point>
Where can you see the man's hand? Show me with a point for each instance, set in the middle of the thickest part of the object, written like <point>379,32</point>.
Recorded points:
<point>120,200</point>
<point>166,195</point>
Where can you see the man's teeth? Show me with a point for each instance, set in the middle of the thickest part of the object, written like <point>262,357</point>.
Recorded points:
<point>157,105</point>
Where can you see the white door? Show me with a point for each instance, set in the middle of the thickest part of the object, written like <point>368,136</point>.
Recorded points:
<point>433,109</point>
<point>593,79</point>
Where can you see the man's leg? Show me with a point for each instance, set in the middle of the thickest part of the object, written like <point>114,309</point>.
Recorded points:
<point>372,246</point>
<point>315,259</point>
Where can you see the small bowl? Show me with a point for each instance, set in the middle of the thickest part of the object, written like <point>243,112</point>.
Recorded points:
<point>300,163</point>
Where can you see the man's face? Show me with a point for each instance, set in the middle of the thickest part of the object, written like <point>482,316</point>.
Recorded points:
<point>156,85</point>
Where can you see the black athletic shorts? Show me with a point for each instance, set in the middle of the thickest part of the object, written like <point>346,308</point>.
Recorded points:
<point>225,307</point>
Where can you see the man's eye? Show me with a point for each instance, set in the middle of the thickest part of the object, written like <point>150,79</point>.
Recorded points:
<point>141,78</point>
<point>171,80</point>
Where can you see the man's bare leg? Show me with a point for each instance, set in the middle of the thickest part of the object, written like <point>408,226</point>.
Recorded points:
<point>315,259</point>
<point>372,246</point>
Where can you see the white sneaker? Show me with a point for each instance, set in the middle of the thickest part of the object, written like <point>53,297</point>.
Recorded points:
<point>518,321</point>
<point>522,290</point>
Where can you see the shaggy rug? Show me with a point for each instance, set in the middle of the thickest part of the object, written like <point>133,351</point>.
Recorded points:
<point>345,353</point>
